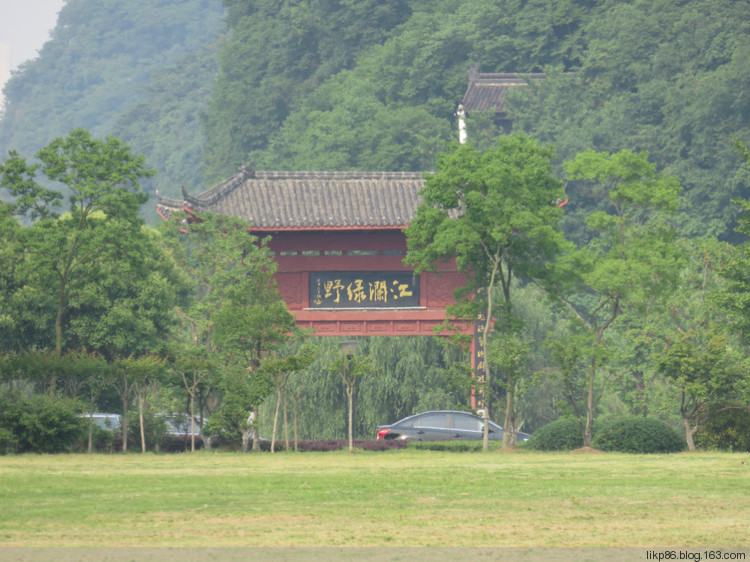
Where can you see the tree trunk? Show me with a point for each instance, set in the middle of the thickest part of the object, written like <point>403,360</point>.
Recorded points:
<point>125,424</point>
<point>640,393</point>
<point>90,448</point>
<point>509,425</point>
<point>689,432</point>
<point>255,432</point>
<point>275,420</point>
<point>294,426</point>
<point>140,420</point>
<point>485,337</point>
<point>350,396</point>
<point>286,424</point>
<point>246,440</point>
<point>192,421</point>
<point>590,406</point>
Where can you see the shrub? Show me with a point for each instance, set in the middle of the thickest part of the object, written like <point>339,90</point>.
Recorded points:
<point>560,435</point>
<point>638,435</point>
<point>8,442</point>
<point>102,440</point>
<point>40,424</point>
<point>727,428</point>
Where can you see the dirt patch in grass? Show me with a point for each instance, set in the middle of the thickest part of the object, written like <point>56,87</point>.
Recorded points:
<point>586,451</point>
<point>512,449</point>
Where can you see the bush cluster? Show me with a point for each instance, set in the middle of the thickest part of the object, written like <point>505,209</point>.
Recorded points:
<point>560,435</point>
<point>727,428</point>
<point>40,424</point>
<point>637,435</point>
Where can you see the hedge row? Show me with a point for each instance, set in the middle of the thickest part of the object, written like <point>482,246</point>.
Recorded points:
<point>626,435</point>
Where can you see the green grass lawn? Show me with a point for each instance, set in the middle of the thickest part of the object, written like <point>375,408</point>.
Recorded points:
<point>395,498</point>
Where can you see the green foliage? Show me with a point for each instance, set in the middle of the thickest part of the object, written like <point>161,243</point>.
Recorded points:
<point>638,435</point>
<point>630,262</point>
<point>494,213</point>
<point>563,434</point>
<point>232,318</point>
<point>656,77</point>
<point>412,374</point>
<point>166,125</point>
<point>374,85</point>
<point>275,55</point>
<point>120,68</point>
<point>393,109</point>
<point>154,430</point>
<point>702,368</point>
<point>102,440</point>
<point>507,219</point>
<point>727,427</point>
<point>40,424</point>
<point>105,278</point>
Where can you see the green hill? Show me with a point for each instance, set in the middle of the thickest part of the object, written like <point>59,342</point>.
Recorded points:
<point>374,84</point>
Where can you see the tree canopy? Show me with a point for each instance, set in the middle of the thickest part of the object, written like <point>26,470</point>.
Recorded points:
<point>496,214</point>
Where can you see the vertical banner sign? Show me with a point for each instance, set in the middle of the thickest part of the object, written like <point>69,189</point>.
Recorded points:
<point>364,289</point>
<point>480,360</point>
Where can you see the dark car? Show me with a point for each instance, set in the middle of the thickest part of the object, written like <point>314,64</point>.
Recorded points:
<point>443,425</point>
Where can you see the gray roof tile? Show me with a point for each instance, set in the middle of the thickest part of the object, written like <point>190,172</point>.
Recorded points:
<point>486,89</point>
<point>311,200</point>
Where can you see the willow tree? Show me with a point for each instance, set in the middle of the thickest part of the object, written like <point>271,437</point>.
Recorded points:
<point>496,213</point>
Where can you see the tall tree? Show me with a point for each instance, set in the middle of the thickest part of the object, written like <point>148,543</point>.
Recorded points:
<point>631,257</point>
<point>699,365</point>
<point>102,179</point>
<point>735,295</point>
<point>235,313</point>
<point>195,366</point>
<point>351,368</point>
<point>495,214</point>
<point>279,370</point>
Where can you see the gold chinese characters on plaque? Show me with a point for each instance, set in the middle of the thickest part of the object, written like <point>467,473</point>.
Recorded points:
<point>364,289</point>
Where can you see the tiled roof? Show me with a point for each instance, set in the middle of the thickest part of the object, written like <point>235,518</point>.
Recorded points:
<point>311,200</point>
<point>486,90</point>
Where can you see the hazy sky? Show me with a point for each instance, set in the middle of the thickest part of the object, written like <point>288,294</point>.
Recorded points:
<point>25,26</point>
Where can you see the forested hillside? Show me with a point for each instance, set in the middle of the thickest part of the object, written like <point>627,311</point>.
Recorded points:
<point>140,70</point>
<point>369,84</point>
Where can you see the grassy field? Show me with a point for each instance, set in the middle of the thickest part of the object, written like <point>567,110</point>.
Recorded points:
<point>395,498</point>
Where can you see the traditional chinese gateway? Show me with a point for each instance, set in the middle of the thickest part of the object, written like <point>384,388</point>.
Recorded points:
<point>338,239</point>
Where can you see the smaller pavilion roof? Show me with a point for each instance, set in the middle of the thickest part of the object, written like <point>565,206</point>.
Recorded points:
<point>486,89</point>
<point>310,200</point>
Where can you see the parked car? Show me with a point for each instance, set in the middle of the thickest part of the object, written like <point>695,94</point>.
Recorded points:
<point>178,432</point>
<point>111,422</point>
<point>443,425</point>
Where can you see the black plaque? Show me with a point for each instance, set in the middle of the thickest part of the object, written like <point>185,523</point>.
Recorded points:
<point>364,289</point>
